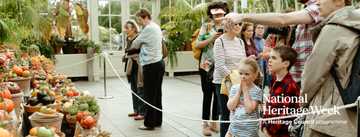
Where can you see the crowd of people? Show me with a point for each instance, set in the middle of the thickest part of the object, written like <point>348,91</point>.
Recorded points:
<point>289,54</point>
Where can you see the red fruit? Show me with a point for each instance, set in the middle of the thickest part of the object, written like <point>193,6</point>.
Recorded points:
<point>76,93</point>
<point>88,122</point>
<point>70,93</point>
<point>81,115</point>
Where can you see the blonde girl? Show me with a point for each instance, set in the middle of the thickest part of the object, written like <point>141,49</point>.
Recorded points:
<point>243,101</point>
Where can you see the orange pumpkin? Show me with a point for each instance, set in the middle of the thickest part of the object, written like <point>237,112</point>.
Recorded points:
<point>18,70</point>
<point>33,131</point>
<point>7,104</point>
<point>4,133</point>
<point>5,93</point>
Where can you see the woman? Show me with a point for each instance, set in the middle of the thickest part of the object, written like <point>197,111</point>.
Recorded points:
<point>247,33</point>
<point>151,60</point>
<point>209,32</point>
<point>228,51</point>
<point>134,71</point>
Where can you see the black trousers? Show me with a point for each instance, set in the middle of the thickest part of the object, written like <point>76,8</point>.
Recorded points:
<point>138,105</point>
<point>224,111</point>
<point>153,77</point>
<point>208,89</point>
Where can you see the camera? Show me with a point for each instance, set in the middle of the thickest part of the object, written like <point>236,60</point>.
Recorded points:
<point>220,30</point>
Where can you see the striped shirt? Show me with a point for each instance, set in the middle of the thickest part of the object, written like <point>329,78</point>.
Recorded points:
<point>228,54</point>
<point>303,40</point>
<point>245,129</point>
<point>149,42</point>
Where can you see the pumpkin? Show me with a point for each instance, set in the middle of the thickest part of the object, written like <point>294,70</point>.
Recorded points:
<point>88,122</point>
<point>4,116</point>
<point>33,131</point>
<point>5,93</point>
<point>19,71</point>
<point>4,133</point>
<point>7,104</point>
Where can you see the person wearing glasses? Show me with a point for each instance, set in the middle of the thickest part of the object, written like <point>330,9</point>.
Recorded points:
<point>228,51</point>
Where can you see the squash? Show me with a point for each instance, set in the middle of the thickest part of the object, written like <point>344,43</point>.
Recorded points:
<point>33,131</point>
<point>4,133</point>
<point>5,93</point>
<point>7,104</point>
<point>19,71</point>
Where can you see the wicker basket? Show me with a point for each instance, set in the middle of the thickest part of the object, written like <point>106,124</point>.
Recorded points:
<point>43,120</point>
<point>24,84</point>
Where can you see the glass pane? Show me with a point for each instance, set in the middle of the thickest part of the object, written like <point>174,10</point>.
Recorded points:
<point>116,23</point>
<point>116,28</point>
<point>147,5</point>
<point>115,7</point>
<point>104,21</point>
<point>134,6</point>
<point>103,7</point>
<point>104,35</point>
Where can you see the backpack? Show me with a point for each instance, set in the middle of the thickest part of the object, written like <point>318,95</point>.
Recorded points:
<point>350,93</point>
<point>196,51</point>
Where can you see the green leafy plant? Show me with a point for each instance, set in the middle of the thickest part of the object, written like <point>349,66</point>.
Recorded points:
<point>180,23</point>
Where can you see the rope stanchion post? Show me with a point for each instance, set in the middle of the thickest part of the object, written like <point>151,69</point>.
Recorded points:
<point>358,117</point>
<point>105,84</point>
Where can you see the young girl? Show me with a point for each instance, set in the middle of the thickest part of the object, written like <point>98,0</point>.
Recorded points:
<point>243,101</point>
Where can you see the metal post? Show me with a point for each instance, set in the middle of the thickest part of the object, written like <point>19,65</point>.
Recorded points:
<point>105,85</point>
<point>358,117</point>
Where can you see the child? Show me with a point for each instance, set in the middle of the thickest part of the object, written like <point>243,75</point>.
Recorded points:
<point>282,86</point>
<point>243,101</point>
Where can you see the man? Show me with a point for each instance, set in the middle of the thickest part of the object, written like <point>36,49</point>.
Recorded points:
<point>305,19</point>
<point>337,44</point>
<point>149,42</point>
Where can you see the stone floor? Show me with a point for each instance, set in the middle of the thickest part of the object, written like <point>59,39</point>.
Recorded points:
<point>182,96</point>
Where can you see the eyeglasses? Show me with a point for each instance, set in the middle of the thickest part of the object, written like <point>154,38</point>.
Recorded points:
<point>238,24</point>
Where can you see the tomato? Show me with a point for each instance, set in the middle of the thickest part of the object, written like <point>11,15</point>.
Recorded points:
<point>81,115</point>
<point>70,93</point>
<point>88,122</point>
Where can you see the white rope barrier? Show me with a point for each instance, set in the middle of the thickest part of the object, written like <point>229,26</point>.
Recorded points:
<point>238,121</point>
<point>78,63</point>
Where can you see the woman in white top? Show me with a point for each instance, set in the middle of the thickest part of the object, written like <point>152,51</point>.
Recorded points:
<point>228,51</point>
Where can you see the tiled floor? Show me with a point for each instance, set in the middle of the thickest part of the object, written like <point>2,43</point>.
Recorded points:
<point>182,96</point>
